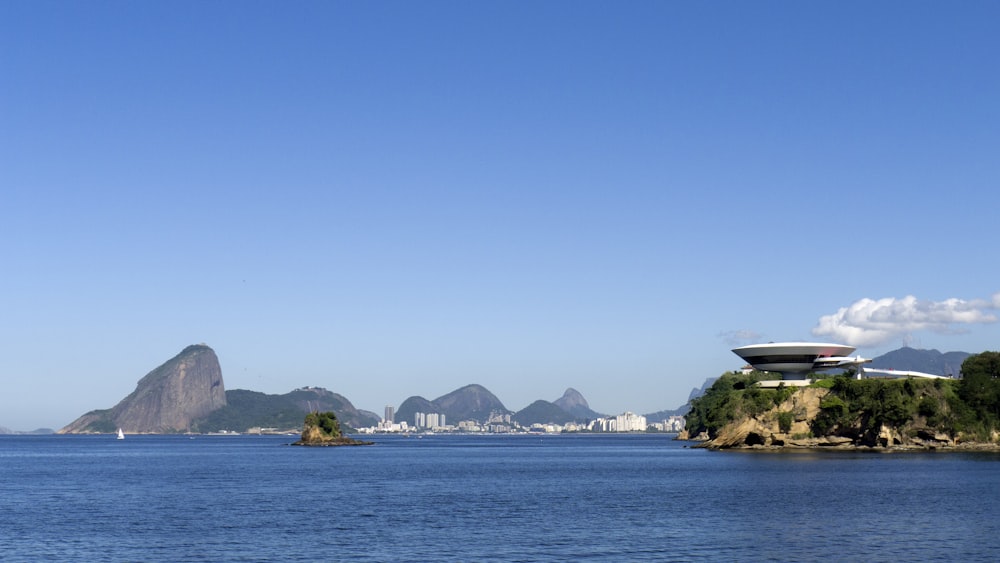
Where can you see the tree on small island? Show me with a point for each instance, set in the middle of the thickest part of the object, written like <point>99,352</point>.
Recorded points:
<point>323,429</point>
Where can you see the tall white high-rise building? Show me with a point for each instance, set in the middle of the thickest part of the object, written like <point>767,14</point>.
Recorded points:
<point>630,422</point>
<point>432,420</point>
<point>419,420</point>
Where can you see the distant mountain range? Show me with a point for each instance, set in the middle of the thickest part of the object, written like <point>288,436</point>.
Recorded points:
<point>186,394</point>
<point>5,430</point>
<point>476,403</point>
<point>926,361</point>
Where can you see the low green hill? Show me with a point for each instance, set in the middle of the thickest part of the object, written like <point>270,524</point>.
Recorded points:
<point>542,412</point>
<point>252,409</point>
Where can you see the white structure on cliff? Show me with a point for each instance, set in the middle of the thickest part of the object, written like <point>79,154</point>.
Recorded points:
<point>796,360</point>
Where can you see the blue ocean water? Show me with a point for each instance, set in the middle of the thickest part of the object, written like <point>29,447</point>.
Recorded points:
<point>485,498</point>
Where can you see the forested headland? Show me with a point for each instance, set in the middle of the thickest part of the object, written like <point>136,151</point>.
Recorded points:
<point>846,412</point>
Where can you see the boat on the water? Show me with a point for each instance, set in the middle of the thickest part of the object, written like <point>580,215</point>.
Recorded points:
<point>121,435</point>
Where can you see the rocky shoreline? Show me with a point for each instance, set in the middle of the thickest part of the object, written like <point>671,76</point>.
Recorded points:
<point>842,444</point>
<point>332,443</point>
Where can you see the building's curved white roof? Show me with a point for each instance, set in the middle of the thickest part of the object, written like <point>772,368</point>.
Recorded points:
<point>790,357</point>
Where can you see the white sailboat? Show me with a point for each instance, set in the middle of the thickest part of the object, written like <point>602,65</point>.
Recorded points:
<point>121,435</point>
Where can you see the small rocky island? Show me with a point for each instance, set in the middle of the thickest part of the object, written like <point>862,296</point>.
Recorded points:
<point>323,429</point>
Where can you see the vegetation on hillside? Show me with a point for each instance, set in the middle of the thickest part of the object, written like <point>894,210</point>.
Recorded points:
<point>734,395</point>
<point>325,422</point>
<point>859,408</point>
<point>252,409</point>
<point>978,405</point>
<point>102,423</point>
<point>968,408</point>
<point>246,409</point>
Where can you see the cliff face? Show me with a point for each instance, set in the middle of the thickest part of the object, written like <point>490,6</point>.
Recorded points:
<point>167,399</point>
<point>765,429</point>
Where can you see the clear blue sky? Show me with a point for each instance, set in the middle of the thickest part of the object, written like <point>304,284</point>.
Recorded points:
<point>390,199</point>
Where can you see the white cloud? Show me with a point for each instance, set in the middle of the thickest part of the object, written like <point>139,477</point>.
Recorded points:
<point>870,322</point>
<point>740,337</point>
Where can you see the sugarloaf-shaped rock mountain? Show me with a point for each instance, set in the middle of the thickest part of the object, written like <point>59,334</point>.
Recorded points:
<point>186,394</point>
<point>186,387</point>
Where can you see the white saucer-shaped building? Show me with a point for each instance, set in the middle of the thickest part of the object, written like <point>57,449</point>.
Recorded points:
<point>795,360</point>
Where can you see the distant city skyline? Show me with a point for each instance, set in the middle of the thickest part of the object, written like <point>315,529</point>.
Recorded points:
<point>394,199</point>
<point>621,423</point>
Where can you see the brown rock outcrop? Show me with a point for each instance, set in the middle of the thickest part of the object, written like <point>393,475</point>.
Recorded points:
<point>765,430</point>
